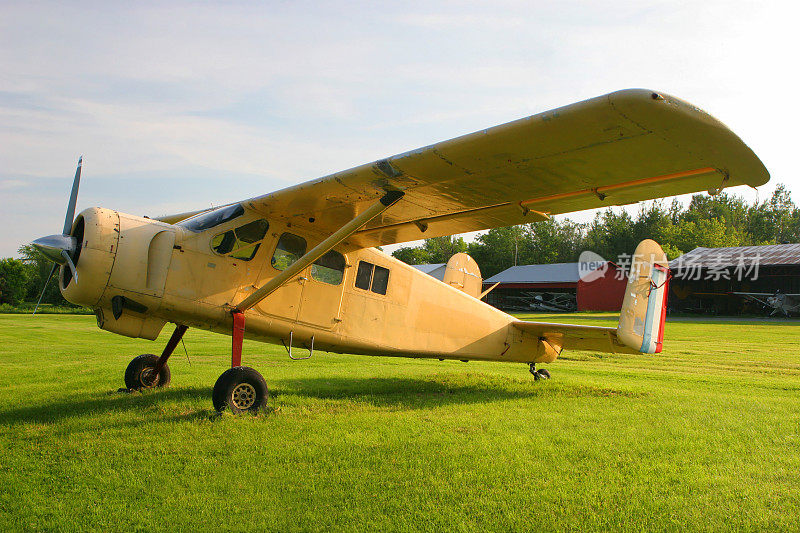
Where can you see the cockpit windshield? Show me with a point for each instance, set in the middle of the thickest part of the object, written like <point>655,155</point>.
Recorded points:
<point>212,218</point>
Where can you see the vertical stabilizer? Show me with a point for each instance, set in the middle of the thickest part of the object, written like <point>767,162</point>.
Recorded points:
<point>644,309</point>
<point>463,273</point>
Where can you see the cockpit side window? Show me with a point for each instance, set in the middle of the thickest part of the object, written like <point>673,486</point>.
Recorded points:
<point>290,248</point>
<point>329,268</point>
<point>212,218</point>
<point>242,242</point>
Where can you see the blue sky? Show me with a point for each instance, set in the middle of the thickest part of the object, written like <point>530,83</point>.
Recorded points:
<point>178,106</point>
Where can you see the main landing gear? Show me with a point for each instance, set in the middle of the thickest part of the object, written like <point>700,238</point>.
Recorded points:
<point>148,371</point>
<point>240,388</point>
<point>542,373</point>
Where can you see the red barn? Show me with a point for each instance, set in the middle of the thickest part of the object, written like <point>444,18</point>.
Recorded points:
<point>603,293</point>
<point>556,287</point>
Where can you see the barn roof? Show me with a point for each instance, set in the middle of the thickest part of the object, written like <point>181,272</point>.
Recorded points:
<point>772,254</point>
<point>553,273</point>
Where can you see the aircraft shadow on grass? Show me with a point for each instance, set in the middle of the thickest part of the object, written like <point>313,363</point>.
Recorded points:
<point>93,404</point>
<point>427,392</point>
<point>409,393</point>
<point>395,393</point>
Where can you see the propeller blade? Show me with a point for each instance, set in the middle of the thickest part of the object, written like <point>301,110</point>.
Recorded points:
<point>71,265</point>
<point>50,275</point>
<point>73,199</point>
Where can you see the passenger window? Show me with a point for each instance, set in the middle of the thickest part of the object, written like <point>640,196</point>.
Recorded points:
<point>380,280</point>
<point>290,248</point>
<point>246,253</point>
<point>372,277</point>
<point>242,242</point>
<point>252,232</point>
<point>364,275</point>
<point>329,268</point>
<point>223,243</point>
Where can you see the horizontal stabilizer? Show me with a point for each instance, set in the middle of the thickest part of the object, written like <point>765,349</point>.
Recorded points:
<point>557,337</point>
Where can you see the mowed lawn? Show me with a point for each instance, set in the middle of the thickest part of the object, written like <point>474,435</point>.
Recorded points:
<point>703,437</point>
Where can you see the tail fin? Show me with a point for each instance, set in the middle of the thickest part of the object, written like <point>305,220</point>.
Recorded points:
<point>644,309</point>
<point>463,273</point>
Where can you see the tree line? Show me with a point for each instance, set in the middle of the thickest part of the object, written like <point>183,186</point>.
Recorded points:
<point>710,221</point>
<point>22,279</point>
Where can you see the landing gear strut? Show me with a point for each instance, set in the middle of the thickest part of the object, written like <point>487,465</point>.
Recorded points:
<point>542,373</point>
<point>240,388</point>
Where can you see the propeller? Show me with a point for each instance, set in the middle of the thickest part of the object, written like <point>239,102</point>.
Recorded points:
<point>62,248</point>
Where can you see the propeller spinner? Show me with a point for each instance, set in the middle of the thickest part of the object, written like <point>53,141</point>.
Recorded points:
<point>61,248</point>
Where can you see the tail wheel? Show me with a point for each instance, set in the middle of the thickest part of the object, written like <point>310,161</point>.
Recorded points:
<point>141,374</point>
<point>240,389</point>
<point>542,373</point>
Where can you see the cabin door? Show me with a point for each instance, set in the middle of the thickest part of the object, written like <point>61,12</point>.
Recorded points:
<point>320,304</point>
<point>284,302</point>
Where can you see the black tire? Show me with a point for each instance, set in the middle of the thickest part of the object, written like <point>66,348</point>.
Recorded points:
<point>543,373</point>
<point>139,376</point>
<point>240,389</point>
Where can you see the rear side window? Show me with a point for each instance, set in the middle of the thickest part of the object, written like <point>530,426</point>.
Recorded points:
<point>380,280</point>
<point>364,275</point>
<point>290,248</point>
<point>329,268</point>
<point>242,242</point>
<point>372,277</point>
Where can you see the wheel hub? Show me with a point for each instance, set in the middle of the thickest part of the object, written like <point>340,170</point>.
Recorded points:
<point>148,378</point>
<point>243,396</point>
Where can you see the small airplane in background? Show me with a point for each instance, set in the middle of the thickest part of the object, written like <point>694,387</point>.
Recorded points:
<point>299,266</point>
<point>778,302</point>
<point>544,302</point>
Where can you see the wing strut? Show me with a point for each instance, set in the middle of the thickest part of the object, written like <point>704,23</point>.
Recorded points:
<point>387,201</point>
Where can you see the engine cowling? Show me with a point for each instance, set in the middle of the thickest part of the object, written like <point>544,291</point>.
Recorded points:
<point>122,263</point>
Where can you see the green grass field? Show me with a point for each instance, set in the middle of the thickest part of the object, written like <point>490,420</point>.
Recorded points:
<point>703,437</point>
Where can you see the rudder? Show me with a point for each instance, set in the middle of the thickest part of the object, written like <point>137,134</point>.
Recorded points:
<point>644,309</point>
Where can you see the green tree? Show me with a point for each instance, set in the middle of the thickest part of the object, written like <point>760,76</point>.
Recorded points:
<point>611,234</point>
<point>433,250</point>
<point>709,233</point>
<point>776,220</point>
<point>499,248</point>
<point>553,241</point>
<point>14,276</point>
<point>39,268</point>
<point>411,255</point>
<point>441,249</point>
<point>730,209</point>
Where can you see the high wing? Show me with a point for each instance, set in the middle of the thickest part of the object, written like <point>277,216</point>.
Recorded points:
<point>616,149</point>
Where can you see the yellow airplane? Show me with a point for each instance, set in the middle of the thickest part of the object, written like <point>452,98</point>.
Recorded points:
<point>299,266</point>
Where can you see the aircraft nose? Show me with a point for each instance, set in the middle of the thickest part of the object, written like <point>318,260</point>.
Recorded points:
<point>54,246</point>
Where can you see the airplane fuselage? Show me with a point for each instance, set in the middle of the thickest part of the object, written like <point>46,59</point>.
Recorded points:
<point>138,274</point>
